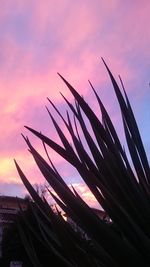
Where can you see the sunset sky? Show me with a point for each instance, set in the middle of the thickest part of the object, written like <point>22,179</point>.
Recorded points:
<point>39,38</point>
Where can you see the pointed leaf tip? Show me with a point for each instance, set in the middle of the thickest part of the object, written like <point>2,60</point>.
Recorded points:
<point>59,74</point>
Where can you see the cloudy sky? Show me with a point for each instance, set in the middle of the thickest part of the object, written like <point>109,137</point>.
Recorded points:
<point>39,38</point>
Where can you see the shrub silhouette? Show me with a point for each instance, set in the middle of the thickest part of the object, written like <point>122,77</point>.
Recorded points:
<point>121,188</point>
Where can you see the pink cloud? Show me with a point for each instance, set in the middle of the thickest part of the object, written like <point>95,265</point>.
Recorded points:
<point>40,39</point>
<point>86,194</point>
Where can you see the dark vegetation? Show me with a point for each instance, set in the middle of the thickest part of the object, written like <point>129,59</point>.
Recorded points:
<point>122,188</point>
<point>13,246</point>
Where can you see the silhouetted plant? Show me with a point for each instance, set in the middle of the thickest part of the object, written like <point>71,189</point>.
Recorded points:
<point>122,190</point>
<point>14,247</point>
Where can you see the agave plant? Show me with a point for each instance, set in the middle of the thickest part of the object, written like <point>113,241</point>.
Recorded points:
<point>121,187</point>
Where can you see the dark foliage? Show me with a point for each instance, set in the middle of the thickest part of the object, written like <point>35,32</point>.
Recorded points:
<point>122,190</point>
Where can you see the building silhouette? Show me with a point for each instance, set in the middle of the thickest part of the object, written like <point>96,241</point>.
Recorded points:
<point>9,207</point>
